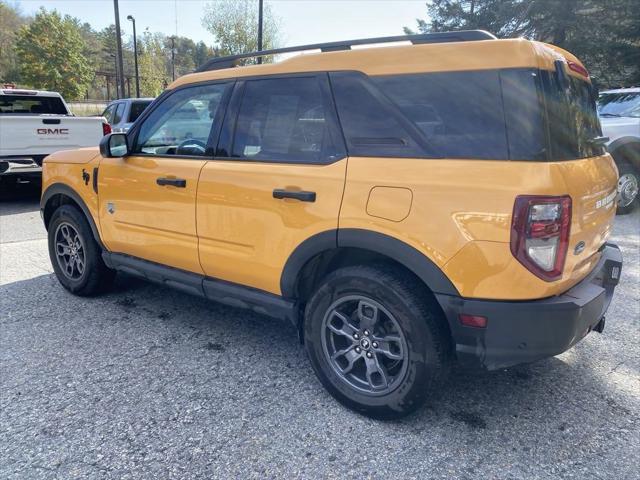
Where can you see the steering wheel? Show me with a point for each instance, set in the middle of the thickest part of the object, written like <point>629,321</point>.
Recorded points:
<point>191,146</point>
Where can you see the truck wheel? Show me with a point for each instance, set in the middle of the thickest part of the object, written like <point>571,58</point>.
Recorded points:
<point>75,255</point>
<point>376,341</point>
<point>627,188</point>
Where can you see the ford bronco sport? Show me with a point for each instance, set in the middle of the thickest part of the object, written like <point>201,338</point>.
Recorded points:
<point>404,206</point>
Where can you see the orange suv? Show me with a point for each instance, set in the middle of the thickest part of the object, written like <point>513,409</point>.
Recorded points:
<point>405,206</point>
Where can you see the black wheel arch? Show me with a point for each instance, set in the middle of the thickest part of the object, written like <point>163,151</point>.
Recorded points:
<point>382,245</point>
<point>59,194</point>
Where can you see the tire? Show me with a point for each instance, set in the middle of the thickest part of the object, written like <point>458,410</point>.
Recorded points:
<point>628,182</point>
<point>405,312</point>
<point>67,222</point>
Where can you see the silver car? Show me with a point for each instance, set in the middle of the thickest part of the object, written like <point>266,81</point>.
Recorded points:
<point>122,113</point>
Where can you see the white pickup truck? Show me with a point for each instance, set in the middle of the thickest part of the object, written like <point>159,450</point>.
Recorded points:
<point>34,124</point>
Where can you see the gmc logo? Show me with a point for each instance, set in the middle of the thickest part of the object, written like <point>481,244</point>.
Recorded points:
<point>53,131</point>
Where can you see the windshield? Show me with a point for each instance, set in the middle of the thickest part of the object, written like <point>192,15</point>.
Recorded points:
<point>620,104</point>
<point>30,104</point>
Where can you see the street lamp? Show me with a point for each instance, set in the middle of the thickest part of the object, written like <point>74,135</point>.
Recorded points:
<point>135,54</point>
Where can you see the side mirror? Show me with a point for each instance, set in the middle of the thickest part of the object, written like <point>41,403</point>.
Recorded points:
<point>114,145</point>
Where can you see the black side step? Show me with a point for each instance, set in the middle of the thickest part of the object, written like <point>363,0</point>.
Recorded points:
<point>232,294</point>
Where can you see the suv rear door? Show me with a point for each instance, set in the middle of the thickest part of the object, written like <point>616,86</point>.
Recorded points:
<point>277,179</point>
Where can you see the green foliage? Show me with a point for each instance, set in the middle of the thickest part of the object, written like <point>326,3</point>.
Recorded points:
<point>604,34</point>
<point>51,53</point>
<point>234,25</point>
<point>10,22</point>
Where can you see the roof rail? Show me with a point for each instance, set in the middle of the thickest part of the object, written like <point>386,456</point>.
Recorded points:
<point>439,37</point>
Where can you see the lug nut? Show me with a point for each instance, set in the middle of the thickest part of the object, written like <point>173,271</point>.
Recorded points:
<point>356,336</point>
<point>358,349</point>
<point>366,332</point>
<point>369,354</point>
<point>374,344</point>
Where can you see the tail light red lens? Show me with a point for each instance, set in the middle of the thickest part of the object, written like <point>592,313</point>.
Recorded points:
<point>106,128</point>
<point>475,321</point>
<point>540,234</point>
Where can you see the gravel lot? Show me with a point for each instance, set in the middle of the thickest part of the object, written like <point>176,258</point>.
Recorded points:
<point>148,382</point>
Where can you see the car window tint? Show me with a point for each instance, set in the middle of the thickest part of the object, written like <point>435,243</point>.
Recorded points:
<point>460,114</point>
<point>117,116</point>
<point>370,128</point>
<point>282,119</point>
<point>31,104</point>
<point>136,109</point>
<point>181,124</point>
<point>108,113</point>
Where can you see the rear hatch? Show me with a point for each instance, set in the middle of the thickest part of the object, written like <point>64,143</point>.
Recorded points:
<point>576,149</point>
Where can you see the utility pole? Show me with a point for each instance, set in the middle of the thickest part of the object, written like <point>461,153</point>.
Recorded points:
<point>173,58</point>
<point>115,71</point>
<point>135,54</point>
<point>259,29</point>
<point>119,45</point>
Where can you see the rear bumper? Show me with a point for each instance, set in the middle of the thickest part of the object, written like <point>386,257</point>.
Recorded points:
<point>525,331</point>
<point>21,166</point>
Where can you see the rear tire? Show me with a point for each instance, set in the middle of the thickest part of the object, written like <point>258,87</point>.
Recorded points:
<point>377,340</point>
<point>75,255</point>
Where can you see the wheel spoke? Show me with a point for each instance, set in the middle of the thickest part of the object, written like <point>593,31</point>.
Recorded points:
<point>390,346</point>
<point>350,356</point>
<point>64,230</point>
<point>346,329</point>
<point>62,249</point>
<point>376,373</point>
<point>368,314</point>
<point>69,267</point>
<point>80,265</point>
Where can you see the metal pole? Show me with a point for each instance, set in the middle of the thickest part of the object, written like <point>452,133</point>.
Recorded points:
<point>135,55</point>
<point>119,45</point>
<point>259,29</point>
<point>115,77</point>
<point>173,58</point>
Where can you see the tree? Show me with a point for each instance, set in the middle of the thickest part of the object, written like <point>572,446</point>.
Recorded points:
<point>152,65</point>
<point>605,34</point>
<point>51,54</point>
<point>10,22</point>
<point>234,26</point>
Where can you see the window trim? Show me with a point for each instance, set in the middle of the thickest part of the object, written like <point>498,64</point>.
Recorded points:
<point>226,139</point>
<point>216,126</point>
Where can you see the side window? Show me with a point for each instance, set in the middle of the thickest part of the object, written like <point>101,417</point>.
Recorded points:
<point>108,113</point>
<point>181,124</point>
<point>460,114</point>
<point>117,117</point>
<point>283,119</point>
<point>370,128</point>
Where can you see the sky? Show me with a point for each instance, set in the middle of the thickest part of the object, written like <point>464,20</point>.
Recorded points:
<point>301,21</point>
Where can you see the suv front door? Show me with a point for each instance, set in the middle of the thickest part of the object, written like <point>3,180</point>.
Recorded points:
<point>277,179</point>
<point>148,199</point>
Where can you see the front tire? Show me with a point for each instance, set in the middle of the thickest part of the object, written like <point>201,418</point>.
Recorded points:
<point>377,340</point>
<point>75,255</point>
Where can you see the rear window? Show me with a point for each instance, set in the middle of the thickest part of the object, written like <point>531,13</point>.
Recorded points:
<point>136,109</point>
<point>490,114</point>
<point>572,118</point>
<point>31,104</point>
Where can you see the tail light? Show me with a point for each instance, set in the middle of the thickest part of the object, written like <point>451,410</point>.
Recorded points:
<point>106,128</point>
<point>540,234</point>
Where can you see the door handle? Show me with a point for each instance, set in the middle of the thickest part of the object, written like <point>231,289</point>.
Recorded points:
<point>172,182</point>
<point>295,194</point>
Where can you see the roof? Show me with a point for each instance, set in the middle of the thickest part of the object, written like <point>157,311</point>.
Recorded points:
<point>25,91</point>
<point>403,59</point>
<point>622,90</point>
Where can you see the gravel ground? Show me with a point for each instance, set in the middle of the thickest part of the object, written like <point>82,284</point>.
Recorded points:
<point>147,382</point>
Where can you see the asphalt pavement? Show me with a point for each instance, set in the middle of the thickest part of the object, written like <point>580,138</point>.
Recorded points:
<point>147,382</point>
